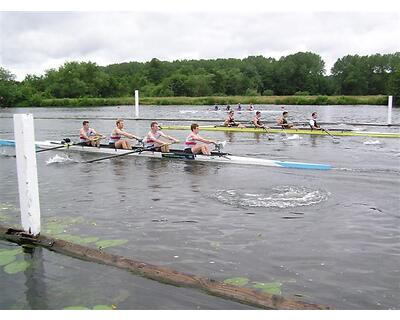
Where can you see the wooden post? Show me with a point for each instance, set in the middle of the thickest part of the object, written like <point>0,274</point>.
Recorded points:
<point>136,104</point>
<point>27,173</point>
<point>390,103</point>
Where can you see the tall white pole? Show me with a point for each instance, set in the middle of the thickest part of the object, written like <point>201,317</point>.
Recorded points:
<point>28,187</point>
<point>390,103</point>
<point>136,104</point>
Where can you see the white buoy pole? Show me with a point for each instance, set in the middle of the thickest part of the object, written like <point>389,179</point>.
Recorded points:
<point>28,187</point>
<point>390,103</point>
<point>136,104</point>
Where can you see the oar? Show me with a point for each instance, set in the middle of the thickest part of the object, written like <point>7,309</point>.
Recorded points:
<point>335,139</point>
<point>121,154</point>
<point>269,137</point>
<point>66,141</point>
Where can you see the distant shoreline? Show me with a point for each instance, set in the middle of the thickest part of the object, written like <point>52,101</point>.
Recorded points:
<point>245,101</point>
<point>219,100</point>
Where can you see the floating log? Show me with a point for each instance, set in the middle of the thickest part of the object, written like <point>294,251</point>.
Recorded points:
<point>161,274</point>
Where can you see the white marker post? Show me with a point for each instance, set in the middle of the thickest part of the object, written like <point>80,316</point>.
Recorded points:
<point>24,134</point>
<point>390,103</point>
<point>136,104</point>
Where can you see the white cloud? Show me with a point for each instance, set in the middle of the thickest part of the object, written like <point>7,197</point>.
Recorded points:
<point>32,42</point>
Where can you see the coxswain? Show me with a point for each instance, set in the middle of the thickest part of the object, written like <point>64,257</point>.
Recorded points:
<point>116,137</point>
<point>192,145</point>
<point>153,138</point>
<point>313,122</point>
<point>282,121</point>
<point>88,136</point>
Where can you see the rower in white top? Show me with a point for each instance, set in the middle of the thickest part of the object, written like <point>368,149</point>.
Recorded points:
<point>88,136</point>
<point>313,122</point>
<point>191,144</point>
<point>153,138</point>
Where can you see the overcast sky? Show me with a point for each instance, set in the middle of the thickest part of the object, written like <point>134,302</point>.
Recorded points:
<point>32,42</point>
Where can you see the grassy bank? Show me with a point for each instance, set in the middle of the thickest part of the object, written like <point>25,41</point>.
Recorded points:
<point>211,100</point>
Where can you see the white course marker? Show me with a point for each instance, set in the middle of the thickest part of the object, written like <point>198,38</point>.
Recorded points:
<point>27,173</point>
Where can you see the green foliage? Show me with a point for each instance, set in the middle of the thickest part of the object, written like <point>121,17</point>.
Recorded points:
<point>301,74</point>
<point>239,281</point>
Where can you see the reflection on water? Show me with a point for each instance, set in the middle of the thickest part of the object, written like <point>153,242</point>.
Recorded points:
<point>36,289</point>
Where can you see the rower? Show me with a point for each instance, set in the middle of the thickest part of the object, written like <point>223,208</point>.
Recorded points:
<point>282,121</point>
<point>191,144</point>
<point>116,139</point>
<point>313,122</point>
<point>239,107</point>
<point>228,107</point>
<point>230,120</point>
<point>216,108</point>
<point>152,138</point>
<point>250,108</point>
<point>257,121</point>
<point>88,136</point>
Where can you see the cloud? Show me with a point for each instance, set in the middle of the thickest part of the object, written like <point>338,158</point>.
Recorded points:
<point>31,42</point>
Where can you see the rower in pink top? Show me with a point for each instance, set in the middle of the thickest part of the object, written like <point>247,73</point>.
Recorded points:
<point>192,145</point>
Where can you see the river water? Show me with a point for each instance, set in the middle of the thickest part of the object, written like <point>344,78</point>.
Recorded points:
<point>327,237</point>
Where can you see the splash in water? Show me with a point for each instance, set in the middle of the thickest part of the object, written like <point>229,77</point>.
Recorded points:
<point>277,197</point>
<point>59,159</point>
<point>294,137</point>
<point>372,142</point>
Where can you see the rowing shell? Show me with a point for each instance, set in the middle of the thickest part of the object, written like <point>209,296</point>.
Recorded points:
<point>334,132</point>
<point>217,157</point>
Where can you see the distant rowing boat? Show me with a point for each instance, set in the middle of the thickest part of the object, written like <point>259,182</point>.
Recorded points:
<point>216,157</point>
<point>334,132</point>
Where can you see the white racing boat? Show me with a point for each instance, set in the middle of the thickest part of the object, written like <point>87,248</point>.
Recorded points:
<point>216,156</point>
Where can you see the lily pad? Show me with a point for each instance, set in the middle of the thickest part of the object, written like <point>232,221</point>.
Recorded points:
<point>239,281</point>
<point>6,259</point>
<point>102,307</point>
<point>269,287</point>
<point>11,252</point>
<point>16,266</point>
<point>77,239</point>
<point>77,220</point>
<point>53,228</point>
<point>76,308</point>
<point>110,243</point>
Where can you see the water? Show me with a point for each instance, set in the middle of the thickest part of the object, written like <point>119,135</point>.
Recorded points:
<point>329,237</point>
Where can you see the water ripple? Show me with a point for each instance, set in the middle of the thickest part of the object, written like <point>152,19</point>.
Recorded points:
<point>277,197</point>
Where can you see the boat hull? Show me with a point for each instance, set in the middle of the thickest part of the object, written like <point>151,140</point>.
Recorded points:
<point>333,132</point>
<point>214,158</point>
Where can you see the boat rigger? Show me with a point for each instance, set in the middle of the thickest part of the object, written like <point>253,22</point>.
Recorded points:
<point>334,132</point>
<point>215,157</point>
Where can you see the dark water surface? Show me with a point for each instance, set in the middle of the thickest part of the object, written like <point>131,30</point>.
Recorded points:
<point>326,237</point>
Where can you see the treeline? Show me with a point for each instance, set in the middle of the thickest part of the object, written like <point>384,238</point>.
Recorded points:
<point>299,74</point>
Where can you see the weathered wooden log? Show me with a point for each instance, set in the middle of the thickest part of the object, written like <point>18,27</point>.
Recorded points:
<point>161,274</point>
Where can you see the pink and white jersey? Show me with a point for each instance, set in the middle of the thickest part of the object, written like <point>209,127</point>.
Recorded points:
<point>151,137</point>
<point>90,132</point>
<point>190,141</point>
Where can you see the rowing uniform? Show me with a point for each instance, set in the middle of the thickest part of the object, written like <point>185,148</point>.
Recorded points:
<point>231,122</point>
<point>151,138</point>
<point>258,121</point>
<point>89,133</point>
<point>313,124</point>
<point>190,142</point>
<point>114,137</point>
